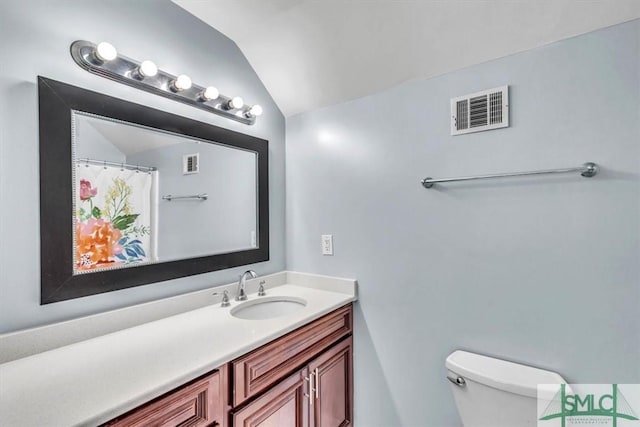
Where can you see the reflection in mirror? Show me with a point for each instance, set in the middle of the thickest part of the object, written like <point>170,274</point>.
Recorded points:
<point>114,187</point>
<point>144,195</point>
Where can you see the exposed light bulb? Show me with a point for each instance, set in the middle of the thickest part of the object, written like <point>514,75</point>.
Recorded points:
<point>256,110</point>
<point>147,69</point>
<point>236,102</point>
<point>209,93</point>
<point>105,52</point>
<point>182,82</point>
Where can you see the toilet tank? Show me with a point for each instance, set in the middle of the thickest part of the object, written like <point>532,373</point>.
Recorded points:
<point>494,392</point>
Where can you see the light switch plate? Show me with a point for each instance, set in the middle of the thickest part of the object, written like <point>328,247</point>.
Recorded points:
<point>327,244</point>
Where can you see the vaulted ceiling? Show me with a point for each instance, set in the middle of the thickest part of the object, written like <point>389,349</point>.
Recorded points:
<point>313,53</point>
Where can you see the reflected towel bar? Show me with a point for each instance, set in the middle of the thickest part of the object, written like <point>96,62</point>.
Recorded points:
<point>587,170</point>
<point>169,197</point>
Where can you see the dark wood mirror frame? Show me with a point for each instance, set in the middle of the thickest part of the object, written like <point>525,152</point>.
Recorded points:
<point>58,283</point>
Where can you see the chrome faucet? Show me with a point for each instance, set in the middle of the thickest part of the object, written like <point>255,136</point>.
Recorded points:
<point>241,295</point>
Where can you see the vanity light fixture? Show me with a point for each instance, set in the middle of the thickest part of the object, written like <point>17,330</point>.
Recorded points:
<point>209,94</point>
<point>146,69</point>
<point>235,103</point>
<point>182,82</point>
<point>105,52</point>
<point>254,111</point>
<point>104,60</point>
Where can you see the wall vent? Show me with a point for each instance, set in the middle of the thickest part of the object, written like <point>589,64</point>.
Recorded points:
<point>190,164</point>
<point>480,111</point>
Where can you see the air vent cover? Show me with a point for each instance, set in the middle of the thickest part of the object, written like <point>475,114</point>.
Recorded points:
<point>480,111</point>
<point>190,164</point>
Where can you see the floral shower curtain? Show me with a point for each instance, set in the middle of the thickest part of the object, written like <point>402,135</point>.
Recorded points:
<point>114,213</point>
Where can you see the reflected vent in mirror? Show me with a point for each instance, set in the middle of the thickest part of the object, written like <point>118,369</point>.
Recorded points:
<point>480,111</point>
<point>190,164</point>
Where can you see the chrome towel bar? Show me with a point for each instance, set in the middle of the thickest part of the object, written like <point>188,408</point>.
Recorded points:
<point>587,170</point>
<point>169,197</point>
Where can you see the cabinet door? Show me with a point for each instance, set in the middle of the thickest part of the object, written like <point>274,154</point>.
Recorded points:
<point>332,374</point>
<point>195,404</point>
<point>285,405</point>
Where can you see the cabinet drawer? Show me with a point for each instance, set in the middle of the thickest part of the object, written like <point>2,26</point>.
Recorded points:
<point>195,404</point>
<point>256,371</point>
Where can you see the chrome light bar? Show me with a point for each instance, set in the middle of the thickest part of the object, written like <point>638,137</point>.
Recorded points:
<point>105,61</point>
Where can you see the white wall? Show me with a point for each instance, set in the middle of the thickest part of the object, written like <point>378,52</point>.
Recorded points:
<point>34,40</point>
<point>542,270</point>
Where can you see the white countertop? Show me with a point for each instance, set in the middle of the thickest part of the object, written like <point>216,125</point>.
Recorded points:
<point>93,381</point>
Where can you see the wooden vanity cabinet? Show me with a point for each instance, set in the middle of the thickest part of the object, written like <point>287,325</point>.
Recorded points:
<point>319,392</point>
<point>258,370</point>
<point>197,403</point>
<point>318,395</point>
<point>303,379</point>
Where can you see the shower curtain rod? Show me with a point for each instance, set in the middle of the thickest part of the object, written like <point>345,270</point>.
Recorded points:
<point>122,165</point>
<point>587,170</point>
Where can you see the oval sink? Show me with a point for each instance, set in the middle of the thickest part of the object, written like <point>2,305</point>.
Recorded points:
<point>268,307</point>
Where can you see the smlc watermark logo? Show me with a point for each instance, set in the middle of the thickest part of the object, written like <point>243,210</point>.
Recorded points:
<point>562,405</point>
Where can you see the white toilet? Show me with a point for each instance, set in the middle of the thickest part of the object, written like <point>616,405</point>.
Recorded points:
<point>495,393</point>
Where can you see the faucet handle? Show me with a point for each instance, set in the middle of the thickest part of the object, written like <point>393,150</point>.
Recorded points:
<point>261,291</point>
<point>225,299</point>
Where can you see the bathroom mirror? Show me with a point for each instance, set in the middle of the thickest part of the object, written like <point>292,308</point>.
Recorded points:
<point>131,195</point>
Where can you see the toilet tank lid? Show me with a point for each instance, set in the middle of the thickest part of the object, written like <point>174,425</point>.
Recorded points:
<point>507,376</point>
